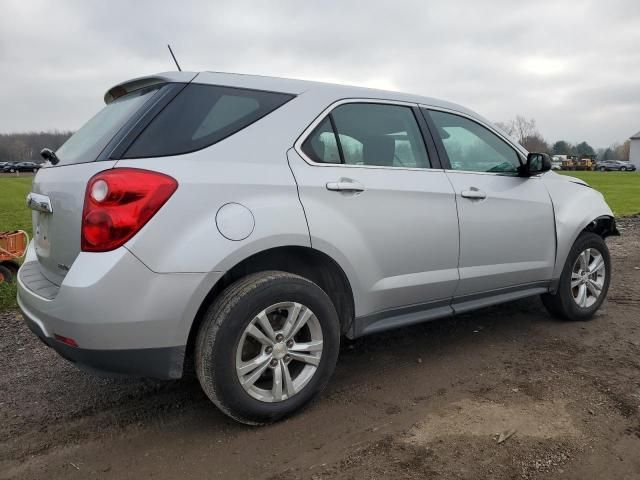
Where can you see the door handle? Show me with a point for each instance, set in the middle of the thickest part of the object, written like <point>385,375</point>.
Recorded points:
<point>473,193</point>
<point>345,185</point>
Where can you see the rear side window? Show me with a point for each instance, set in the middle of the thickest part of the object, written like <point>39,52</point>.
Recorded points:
<point>322,146</point>
<point>202,115</point>
<point>382,135</point>
<point>86,144</point>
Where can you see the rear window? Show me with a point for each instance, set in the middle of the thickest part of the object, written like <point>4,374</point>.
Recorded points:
<point>202,115</point>
<point>86,144</point>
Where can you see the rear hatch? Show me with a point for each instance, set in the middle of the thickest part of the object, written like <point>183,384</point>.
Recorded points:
<point>57,197</point>
<point>141,120</point>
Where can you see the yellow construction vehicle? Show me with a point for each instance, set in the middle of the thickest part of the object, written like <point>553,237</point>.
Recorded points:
<point>575,163</point>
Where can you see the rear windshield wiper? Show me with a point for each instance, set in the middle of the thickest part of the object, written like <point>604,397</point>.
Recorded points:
<point>49,155</point>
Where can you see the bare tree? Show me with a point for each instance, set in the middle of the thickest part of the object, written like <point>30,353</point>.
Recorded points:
<point>520,128</point>
<point>525,132</point>
<point>506,127</point>
<point>622,151</point>
<point>535,143</point>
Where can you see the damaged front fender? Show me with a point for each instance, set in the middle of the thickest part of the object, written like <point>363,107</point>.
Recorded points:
<point>577,207</point>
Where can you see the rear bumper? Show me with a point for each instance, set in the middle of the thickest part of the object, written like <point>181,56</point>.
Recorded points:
<point>162,363</point>
<point>124,318</point>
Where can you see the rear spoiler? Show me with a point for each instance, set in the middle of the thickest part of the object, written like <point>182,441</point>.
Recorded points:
<point>141,82</point>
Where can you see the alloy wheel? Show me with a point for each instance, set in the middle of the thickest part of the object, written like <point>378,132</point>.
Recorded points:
<point>279,352</point>
<point>587,277</point>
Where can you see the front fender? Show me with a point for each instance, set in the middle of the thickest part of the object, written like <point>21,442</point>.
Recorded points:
<point>576,205</point>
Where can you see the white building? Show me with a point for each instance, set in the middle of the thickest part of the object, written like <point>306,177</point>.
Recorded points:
<point>634,151</point>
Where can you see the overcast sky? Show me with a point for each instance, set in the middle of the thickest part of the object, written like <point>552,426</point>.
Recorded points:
<point>574,66</point>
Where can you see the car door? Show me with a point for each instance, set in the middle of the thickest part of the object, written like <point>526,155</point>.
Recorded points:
<point>376,205</point>
<point>507,229</point>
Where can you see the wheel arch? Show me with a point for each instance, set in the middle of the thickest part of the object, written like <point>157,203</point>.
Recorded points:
<point>602,225</point>
<point>577,208</point>
<point>307,262</point>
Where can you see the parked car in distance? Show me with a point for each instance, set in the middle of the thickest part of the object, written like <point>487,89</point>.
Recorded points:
<point>21,167</point>
<point>609,165</point>
<point>251,222</point>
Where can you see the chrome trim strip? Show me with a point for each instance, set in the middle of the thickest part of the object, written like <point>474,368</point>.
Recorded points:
<point>502,174</point>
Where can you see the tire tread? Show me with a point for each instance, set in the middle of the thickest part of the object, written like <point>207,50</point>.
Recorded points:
<point>560,304</point>
<point>215,317</point>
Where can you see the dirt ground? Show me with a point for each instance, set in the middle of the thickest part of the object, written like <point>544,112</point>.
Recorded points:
<point>430,401</point>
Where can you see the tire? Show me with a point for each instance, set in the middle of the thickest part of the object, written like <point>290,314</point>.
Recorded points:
<point>5,274</point>
<point>564,304</point>
<point>219,350</point>
<point>623,169</point>
<point>12,267</point>
<point>602,169</point>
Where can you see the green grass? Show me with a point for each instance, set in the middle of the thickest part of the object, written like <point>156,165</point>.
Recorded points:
<point>7,296</point>
<point>621,190</point>
<point>14,215</point>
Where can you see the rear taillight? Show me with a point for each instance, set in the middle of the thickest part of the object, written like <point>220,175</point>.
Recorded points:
<point>118,203</point>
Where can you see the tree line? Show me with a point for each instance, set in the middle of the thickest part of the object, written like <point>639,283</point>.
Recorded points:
<point>525,131</point>
<point>25,147</point>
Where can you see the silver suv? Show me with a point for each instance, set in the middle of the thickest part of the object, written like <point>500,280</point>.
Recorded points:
<point>251,222</point>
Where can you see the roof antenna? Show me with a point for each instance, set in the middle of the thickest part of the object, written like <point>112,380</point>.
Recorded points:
<point>174,57</point>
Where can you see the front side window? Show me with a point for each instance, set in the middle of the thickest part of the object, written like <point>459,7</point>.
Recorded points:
<point>368,134</point>
<point>472,147</point>
<point>202,115</point>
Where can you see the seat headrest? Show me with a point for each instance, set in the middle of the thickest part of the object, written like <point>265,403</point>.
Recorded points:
<point>379,150</point>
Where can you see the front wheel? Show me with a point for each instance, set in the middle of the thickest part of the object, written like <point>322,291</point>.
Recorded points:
<point>267,346</point>
<point>584,281</point>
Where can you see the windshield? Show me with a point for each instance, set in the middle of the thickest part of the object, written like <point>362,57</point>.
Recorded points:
<point>86,144</point>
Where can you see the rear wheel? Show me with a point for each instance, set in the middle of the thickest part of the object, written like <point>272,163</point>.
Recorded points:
<point>623,169</point>
<point>267,346</point>
<point>584,281</point>
<point>602,169</point>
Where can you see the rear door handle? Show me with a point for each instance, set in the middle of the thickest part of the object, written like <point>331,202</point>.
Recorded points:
<point>473,193</point>
<point>345,185</point>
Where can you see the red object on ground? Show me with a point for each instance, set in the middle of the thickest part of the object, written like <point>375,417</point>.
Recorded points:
<point>13,245</point>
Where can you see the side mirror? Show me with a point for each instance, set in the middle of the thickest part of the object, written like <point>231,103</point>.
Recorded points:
<point>536,163</point>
